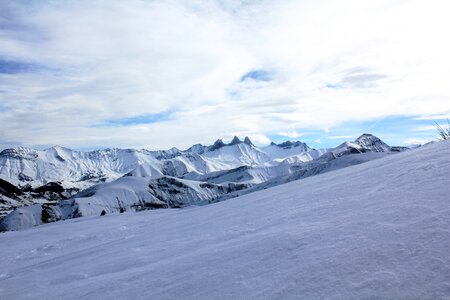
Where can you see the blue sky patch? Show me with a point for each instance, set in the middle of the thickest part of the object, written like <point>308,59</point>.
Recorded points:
<point>394,130</point>
<point>258,75</point>
<point>333,86</point>
<point>136,120</point>
<point>16,67</point>
<point>3,108</point>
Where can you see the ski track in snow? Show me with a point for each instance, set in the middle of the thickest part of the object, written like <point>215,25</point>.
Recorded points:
<point>379,230</point>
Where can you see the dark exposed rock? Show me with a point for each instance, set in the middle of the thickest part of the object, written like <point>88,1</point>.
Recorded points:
<point>49,214</point>
<point>399,148</point>
<point>248,141</point>
<point>155,205</point>
<point>217,145</point>
<point>55,187</point>
<point>235,141</point>
<point>9,189</point>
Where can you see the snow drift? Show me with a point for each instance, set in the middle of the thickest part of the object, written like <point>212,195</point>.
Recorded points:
<point>375,230</point>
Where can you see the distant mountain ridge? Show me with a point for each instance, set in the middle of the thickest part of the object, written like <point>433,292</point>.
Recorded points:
<point>24,166</point>
<point>122,179</point>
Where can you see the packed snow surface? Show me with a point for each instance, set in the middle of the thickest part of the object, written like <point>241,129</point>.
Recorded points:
<point>379,230</point>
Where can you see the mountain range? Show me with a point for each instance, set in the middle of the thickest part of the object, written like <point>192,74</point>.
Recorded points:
<point>39,187</point>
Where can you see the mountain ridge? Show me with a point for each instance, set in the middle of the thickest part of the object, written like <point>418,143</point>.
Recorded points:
<point>191,177</point>
<point>26,166</point>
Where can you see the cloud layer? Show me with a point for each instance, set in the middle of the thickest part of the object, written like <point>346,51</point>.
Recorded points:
<point>157,74</point>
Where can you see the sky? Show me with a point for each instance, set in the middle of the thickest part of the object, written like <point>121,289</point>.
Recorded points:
<point>158,74</point>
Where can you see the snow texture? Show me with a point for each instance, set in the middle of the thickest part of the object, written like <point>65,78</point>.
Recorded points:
<point>378,230</point>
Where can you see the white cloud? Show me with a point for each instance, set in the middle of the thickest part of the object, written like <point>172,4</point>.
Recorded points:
<point>291,134</point>
<point>414,141</point>
<point>259,139</point>
<point>433,117</point>
<point>429,127</point>
<point>331,62</point>
<point>340,137</point>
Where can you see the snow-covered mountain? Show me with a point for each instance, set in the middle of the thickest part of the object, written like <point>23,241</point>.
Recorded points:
<point>32,170</point>
<point>197,176</point>
<point>27,167</point>
<point>378,230</point>
<point>23,166</point>
<point>292,149</point>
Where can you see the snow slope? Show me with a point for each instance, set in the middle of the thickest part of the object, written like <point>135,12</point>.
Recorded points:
<point>325,163</point>
<point>129,193</point>
<point>378,230</point>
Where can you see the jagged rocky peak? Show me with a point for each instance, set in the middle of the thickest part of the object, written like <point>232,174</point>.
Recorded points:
<point>199,148</point>
<point>367,137</point>
<point>365,143</point>
<point>248,141</point>
<point>369,141</point>
<point>235,141</point>
<point>217,144</point>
